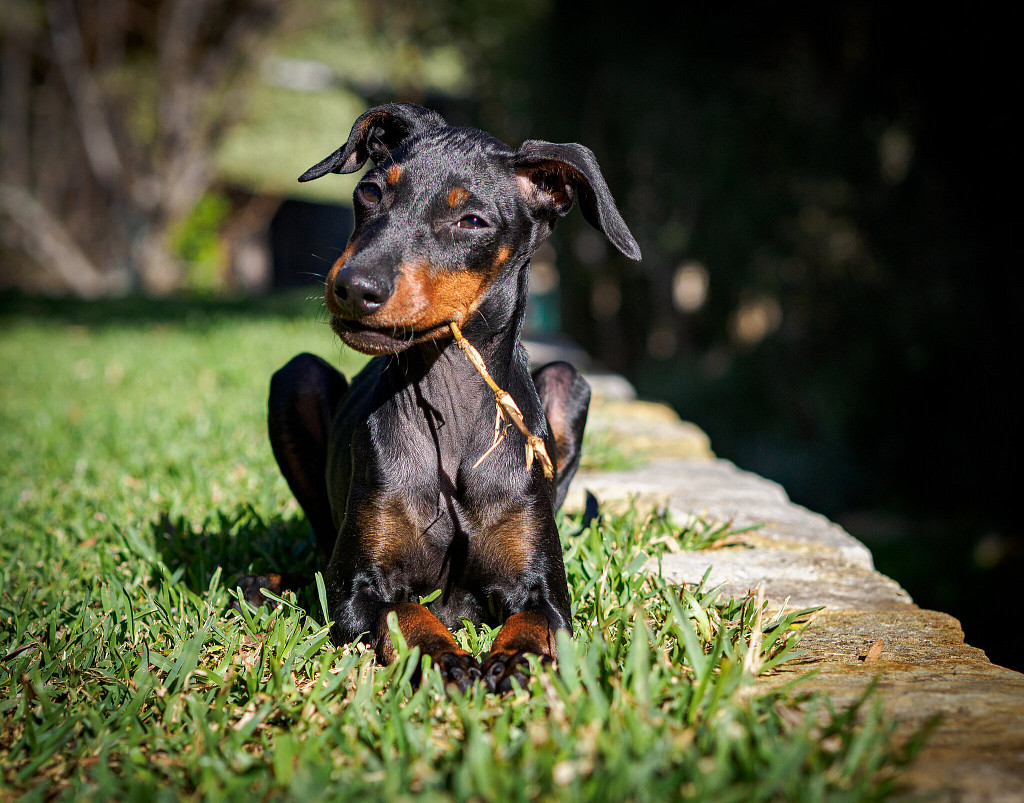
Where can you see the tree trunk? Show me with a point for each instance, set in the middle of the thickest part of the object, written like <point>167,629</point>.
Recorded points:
<point>159,272</point>
<point>250,263</point>
<point>49,244</point>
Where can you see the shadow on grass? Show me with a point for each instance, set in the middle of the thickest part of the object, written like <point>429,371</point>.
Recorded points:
<point>239,543</point>
<point>196,311</point>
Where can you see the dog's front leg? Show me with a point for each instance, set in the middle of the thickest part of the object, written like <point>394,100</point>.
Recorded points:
<point>420,628</point>
<point>534,596</point>
<point>522,634</point>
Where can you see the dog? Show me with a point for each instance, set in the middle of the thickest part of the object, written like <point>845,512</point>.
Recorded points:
<point>386,466</point>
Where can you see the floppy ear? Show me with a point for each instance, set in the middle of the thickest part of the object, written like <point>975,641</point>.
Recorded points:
<point>374,135</point>
<point>552,176</point>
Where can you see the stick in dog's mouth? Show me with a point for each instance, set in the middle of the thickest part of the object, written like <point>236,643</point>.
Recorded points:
<point>507,410</point>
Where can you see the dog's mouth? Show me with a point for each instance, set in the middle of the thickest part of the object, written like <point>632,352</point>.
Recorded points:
<point>391,339</point>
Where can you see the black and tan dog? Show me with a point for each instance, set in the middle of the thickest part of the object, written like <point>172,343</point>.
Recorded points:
<point>445,226</point>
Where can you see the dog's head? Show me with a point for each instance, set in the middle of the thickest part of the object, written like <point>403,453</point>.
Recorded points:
<point>446,222</point>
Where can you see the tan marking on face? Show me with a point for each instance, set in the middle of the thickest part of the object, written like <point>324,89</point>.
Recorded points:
<point>330,299</point>
<point>457,196</point>
<point>425,298</point>
<point>502,256</point>
<point>424,301</point>
<point>394,173</point>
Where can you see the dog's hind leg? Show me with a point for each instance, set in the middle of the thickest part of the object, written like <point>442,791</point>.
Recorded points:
<point>303,397</point>
<point>565,396</point>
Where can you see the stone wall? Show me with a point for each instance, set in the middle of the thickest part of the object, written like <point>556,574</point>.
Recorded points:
<point>870,628</point>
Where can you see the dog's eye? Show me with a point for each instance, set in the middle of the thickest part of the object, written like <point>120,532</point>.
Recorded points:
<point>472,222</point>
<point>369,194</point>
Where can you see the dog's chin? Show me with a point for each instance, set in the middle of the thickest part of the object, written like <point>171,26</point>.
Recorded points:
<point>375,342</point>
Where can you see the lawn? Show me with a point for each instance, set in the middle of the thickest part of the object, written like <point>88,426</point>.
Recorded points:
<point>136,483</point>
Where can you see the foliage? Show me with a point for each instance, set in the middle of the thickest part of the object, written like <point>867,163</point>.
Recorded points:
<point>196,242</point>
<point>109,123</point>
<point>137,483</point>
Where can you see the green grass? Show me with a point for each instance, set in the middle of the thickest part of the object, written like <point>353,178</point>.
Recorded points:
<point>137,483</point>
<point>602,452</point>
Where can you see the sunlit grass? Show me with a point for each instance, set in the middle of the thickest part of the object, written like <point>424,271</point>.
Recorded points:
<point>137,484</point>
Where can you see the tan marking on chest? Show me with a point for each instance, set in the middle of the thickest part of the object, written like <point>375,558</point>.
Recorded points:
<point>507,547</point>
<point>385,530</point>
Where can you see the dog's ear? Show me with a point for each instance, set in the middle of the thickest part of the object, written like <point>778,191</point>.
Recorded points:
<point>551,177</point>
<point>375,135</point>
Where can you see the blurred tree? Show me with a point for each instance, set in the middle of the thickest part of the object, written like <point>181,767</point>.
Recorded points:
<point>110,110</point>
<point>119,115</point>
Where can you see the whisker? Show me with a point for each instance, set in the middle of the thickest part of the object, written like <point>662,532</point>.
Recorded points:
<point>334,248</point>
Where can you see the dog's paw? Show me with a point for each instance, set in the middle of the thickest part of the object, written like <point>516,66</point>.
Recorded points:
<point>501,668</point>
<point>458,669</point>
<point>277,584</point>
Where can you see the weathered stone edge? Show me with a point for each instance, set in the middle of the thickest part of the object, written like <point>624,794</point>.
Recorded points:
<point>923,669</point>
<point>800,555</point>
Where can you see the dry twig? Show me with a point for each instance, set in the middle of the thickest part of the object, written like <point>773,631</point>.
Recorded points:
<point>507,410</point>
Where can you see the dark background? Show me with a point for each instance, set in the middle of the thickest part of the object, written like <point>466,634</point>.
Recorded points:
<point>856,168</point>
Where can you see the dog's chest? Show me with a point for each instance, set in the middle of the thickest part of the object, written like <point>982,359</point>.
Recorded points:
<point>438,511</point>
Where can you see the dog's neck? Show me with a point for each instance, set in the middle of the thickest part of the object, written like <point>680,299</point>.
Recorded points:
<point>439,375</point>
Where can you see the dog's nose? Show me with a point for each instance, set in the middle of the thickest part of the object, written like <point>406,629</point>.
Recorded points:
<point>360,293</point>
